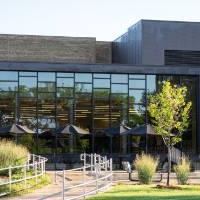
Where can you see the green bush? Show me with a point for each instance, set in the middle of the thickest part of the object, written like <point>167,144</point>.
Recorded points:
<point>146,167</point>
<point>12,154</point>
<point>182,171</point>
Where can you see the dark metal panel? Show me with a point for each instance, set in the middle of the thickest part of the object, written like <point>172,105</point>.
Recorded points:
<point>135,44</point>
<point>120,49</point>
<point>198,117</point>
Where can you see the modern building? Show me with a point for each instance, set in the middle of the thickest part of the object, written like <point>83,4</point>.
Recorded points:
<point>47,82</point>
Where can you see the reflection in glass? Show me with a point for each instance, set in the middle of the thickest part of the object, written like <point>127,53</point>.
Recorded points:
<point>27,108</point>
<point>8,108</point>
<point>136,96</point>
<point>82,77</point>
<point>28,86</point>
<point>151,83</point>
<point>65,74</point>
<point>120,100</point>
<point>65,92</point>
<point>83,87</point>
<point>46,76</point>
<point>46,123</point>
<point>119,78</point>
<point>101,75</point>
<point>46,87</point>
<point>46,105</point>
<point>118,88</point>
<point>101,93</point>
<point>101,83</point>
<point>28,73</point>
<point>65,82</point>
<point>8,86</point>
<point>137,76</point>
<point>8,76</point>
<point>137,84</point>
<point>118,115</point>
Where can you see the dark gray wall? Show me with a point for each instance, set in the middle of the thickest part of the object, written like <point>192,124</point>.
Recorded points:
<point>146,41</point>
<point>135,44</point>
<point>47,49</point>
<point>120,50</point>
<point>127,49</point>
<point>158,36</point>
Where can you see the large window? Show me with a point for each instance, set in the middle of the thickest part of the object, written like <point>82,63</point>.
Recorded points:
<point>44,101</point>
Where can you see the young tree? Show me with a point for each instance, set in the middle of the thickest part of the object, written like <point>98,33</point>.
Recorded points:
<point>169,111</point>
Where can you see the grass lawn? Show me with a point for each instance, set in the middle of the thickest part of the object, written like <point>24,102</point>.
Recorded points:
<point>143,192</point>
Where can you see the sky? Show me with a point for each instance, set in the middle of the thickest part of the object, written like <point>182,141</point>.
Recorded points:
<point>103,19</point>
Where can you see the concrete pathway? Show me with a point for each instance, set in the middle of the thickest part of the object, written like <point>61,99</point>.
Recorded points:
<point>54,191</point>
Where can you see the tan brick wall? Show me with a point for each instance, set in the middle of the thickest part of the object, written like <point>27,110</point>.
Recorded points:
<point>103,52</point>
<point>47,49</point>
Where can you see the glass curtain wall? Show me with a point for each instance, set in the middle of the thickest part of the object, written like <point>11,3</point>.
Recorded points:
<point>44,101</point>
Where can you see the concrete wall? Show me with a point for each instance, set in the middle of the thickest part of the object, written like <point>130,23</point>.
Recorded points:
<point>103,52</point>
<point>47,49</point>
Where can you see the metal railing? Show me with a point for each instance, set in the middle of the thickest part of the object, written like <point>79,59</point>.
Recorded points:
<point>34,168</point>
<point>94,176</point>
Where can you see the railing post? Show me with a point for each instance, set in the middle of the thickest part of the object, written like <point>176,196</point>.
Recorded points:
<point>35,164</point>
<point>28,160</point>
<point>111,170</point>
<point>84,157</point>
<point>84,189</point>
<point>44,166</point>
<point>25,182</point>
<point>33,161</point>
<point>10,178</point>
<point>39,164</point>
<point>91,162</point>
<point>96,176</point>
<point>63,185</point>
<point>106,170</point>
<point>55,177</point>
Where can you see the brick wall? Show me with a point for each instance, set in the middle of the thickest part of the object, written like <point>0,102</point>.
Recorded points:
<point>47,49</point>
<point>103,52</point>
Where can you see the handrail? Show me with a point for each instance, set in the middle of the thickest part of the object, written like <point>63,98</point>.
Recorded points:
<point>101,169</point>
<point>36,163</point>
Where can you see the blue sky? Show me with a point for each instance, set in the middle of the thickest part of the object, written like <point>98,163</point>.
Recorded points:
<point>103,19</point>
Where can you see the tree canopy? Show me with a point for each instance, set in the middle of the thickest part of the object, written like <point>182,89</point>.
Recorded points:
<point>170,112</point>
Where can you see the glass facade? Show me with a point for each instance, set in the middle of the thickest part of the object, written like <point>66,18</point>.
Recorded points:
<point>93,101</point>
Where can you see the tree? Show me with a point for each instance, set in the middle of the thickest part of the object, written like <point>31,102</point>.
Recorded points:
<point>170,113</point>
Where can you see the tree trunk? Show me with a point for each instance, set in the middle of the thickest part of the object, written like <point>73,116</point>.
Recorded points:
<point>169,164</point>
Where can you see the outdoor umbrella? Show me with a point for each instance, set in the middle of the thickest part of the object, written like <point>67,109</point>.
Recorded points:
<point>142,130</point>
<point>15,129</point>
<point>115,131</point>
<point>70,129</point>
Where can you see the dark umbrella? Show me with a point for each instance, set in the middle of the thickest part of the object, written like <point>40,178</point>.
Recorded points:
<point>141,130</point>
<point>115,131</point>
<point>70,129</point>
<point>15,129</point>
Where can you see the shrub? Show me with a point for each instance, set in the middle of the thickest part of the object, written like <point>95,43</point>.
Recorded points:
<point>12,154</point>
<point>182,171</point>
<point>146,167</point>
